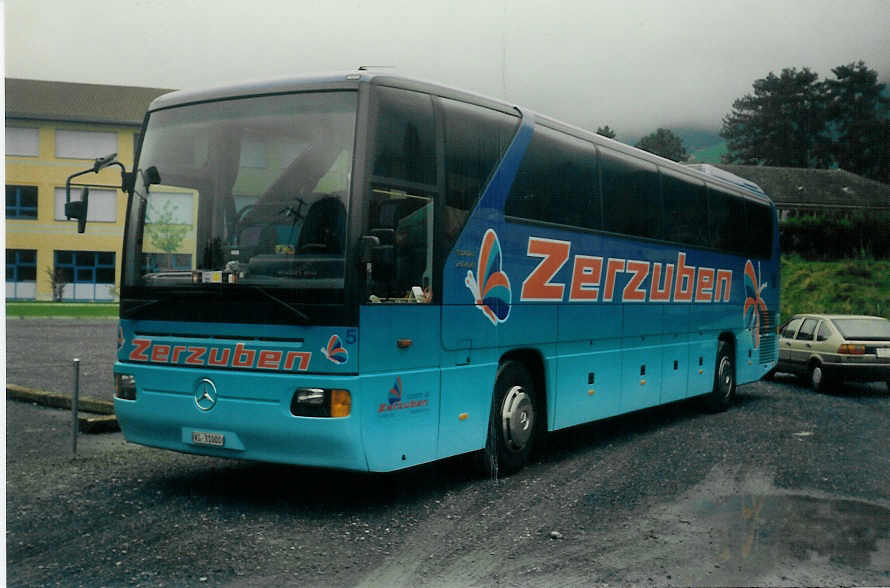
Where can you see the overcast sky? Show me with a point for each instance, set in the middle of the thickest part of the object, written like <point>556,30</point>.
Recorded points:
<point>632,64</point>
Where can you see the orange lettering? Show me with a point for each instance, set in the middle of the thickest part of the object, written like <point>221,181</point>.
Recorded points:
<point>661,291</point>
<point>612,268</point>
<point>554,254</point>
<point>724,285</point>
<point>586,278</point>
<point>704,284</point>
<point>685,280</point>
<point>632,291</point>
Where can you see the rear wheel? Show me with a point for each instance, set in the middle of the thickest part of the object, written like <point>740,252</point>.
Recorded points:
<point>724,380</point>
<point>513,422</point>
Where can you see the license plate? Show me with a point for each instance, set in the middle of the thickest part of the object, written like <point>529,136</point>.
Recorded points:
<point>214,439</point>
<point>883,351</point>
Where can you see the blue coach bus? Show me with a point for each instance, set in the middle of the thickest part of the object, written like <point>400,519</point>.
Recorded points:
<point>373,272</point>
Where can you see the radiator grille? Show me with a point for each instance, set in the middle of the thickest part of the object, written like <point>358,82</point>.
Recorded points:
<point>768,341</point>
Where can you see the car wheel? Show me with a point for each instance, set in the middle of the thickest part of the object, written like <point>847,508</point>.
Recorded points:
<point>724,380</point>
<point>513,422</point>
<point>818,380</point>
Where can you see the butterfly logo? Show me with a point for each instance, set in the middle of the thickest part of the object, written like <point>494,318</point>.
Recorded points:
<point>491,286</point>
<point>335,351</point>
<point>754,304</point>
<point>395,393</point>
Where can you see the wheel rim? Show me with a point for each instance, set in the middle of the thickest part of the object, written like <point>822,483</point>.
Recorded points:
<point>817,376</point>
<point>725,377</point>
<point>517,419</point>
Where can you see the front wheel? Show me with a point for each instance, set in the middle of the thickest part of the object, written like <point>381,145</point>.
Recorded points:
<point>724,380</point>
<point>513,422</point>
<point>818,379</point>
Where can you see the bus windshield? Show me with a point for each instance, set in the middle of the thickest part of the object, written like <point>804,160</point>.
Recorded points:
<point>243,195</point>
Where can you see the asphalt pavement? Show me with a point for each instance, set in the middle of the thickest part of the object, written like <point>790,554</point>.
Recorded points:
<point>40,354</point>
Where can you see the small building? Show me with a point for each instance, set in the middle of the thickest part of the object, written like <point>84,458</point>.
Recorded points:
<point>806,191</point>
<point>54,129</point>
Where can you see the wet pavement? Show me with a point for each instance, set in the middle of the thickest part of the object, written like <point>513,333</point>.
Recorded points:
<point>787,488</point>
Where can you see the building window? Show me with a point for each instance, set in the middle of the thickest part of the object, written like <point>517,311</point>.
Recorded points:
<point>21,274</point>
<point>21,202</point>
<point>21,265</point>
<point>84,144</point>
<point>22,141</point>
<point>102,204</point>
<point>165,262</point>
<point>88,275</point>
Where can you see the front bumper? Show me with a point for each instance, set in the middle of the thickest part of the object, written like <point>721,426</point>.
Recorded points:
<point>251,413</point>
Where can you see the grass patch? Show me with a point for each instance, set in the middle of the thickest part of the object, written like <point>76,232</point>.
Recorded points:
<point>61,309</point>
<point>850,286</point>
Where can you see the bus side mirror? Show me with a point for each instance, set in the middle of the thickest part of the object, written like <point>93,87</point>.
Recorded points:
<point>78,210</point>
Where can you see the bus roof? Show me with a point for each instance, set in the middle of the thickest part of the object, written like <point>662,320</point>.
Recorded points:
<point>343,80</point>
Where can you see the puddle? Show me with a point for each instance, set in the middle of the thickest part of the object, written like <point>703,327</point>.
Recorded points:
<point>759,530</point>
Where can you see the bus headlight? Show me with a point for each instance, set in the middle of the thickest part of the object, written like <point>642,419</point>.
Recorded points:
<point>125,386</point>
<point>321,402</point>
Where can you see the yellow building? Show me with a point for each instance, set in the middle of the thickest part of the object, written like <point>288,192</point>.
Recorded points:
<point>54,129</point>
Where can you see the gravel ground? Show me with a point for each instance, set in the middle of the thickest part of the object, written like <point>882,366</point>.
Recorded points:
<point>786,488</point>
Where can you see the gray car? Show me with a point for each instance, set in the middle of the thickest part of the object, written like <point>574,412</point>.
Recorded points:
<point>828,349</point>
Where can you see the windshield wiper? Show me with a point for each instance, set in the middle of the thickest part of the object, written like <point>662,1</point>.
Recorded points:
<point>305,317</point>
<point>148,303</point>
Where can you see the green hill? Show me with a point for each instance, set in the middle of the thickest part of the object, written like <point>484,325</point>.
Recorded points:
<point>852,286</point>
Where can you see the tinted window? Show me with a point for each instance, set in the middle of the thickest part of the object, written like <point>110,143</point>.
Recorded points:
<point>760,229</point>
<point>631,195</point>
<point>475,140</point>
<point>807,329</point>
<point>685,210</point>
<point>556,182</point>
<point>864,329</point>
<point>727,222</point>
<point>824,332</point>
<point>790,328</point>
<point>405,145</point>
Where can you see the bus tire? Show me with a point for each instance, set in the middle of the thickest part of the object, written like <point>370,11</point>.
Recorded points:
<point>722,394</point>
<point>512,424</point>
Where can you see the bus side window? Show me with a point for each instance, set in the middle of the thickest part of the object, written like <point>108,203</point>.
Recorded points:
<point>475,140</point>
<point>557,182</point>
<point>631,195</point>
<point>727,221</point>
<point>685,210</point>
<point>401,196</point>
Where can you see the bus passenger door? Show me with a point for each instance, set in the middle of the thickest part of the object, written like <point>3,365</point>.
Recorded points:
<point>399,334</point>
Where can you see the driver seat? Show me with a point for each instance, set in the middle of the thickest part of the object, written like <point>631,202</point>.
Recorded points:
<point>324,227</point>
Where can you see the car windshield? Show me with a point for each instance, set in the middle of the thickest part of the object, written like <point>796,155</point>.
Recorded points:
<point>864,329</point>
<point>247,193</point>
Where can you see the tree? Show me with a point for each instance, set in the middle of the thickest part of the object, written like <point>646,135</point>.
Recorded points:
<point>857,114</point>
<point>606,132</point>
<point>665,143</point>
<point>160,224</point>
<point>781,124</point>
<point>57,282</point>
